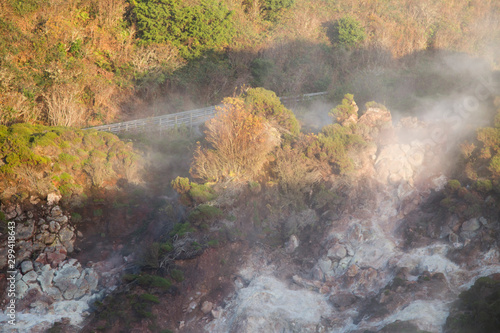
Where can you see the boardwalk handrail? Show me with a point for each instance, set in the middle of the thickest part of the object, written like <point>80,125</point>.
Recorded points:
<point>189,118</point>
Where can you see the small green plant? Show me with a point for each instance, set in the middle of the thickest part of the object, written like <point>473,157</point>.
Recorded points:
<point>76,218</point>
<point>177,275</point>
<point>201,193</point>
<point>181,229</point>
<point>149,298</point>
<point>166,247</point>
<point>204,213</point>
<point>147,280</point>
<point>483,185</point>
<point>254,187</point>
<point>345,110</point>
<point>196,246</point>
<point>213,243</point>
<point>98,212</point>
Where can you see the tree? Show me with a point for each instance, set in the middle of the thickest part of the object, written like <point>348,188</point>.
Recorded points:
<point>238,143</point>
<point>347,32</point>
<point>347,111</point>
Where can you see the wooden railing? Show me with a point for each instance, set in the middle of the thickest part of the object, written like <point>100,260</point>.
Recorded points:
<point>187,118</point>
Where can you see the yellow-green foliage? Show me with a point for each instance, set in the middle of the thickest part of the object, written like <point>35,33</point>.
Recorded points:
<point>265,103</point>
<point>483,158</point>
<point>40,158</point>
<point>345,110</point>
<point>192,193</point>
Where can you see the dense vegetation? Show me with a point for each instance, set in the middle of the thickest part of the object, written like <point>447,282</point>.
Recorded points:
<point>477,309</point>
<point>36,160</point>
<point>84,62</point>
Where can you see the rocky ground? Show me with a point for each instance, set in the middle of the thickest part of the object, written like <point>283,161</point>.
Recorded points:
<point>389,260</point>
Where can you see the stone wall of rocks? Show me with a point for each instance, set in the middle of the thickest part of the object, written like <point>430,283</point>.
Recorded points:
<point>49,285</point>
<point>49,234</point>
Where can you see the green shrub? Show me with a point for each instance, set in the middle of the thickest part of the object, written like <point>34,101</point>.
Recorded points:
<point>347,32</point>
<point>273,8</point>
<point>345,110</point>
<point>48,139</point>
<point>453,185</point>
<point>166,247</point>
<point>154,281</point>
<point>201,193</point>
<point>147,280</point>
<point>149,298</point>
<point>375,105</point>
<point>64,145</point>
<point>204,213</point>
<point>181,229</point>
<point>76,218</point>
<point>260,69</point>
<point>177,275</point>
<point>213,243</point>
<point>332,146</point>
<point>66,159</point>
<point>483,185</point>
<point>193,29</point>
<point>478,308</point>
<point>265,103</point>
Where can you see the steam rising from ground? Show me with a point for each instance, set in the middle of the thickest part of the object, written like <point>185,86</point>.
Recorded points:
<point>372,250</point>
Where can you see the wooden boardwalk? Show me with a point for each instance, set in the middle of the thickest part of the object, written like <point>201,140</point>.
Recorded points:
<point>186,118</point>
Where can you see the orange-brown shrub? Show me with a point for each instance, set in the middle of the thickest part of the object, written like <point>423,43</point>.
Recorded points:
<point>238,143</point>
